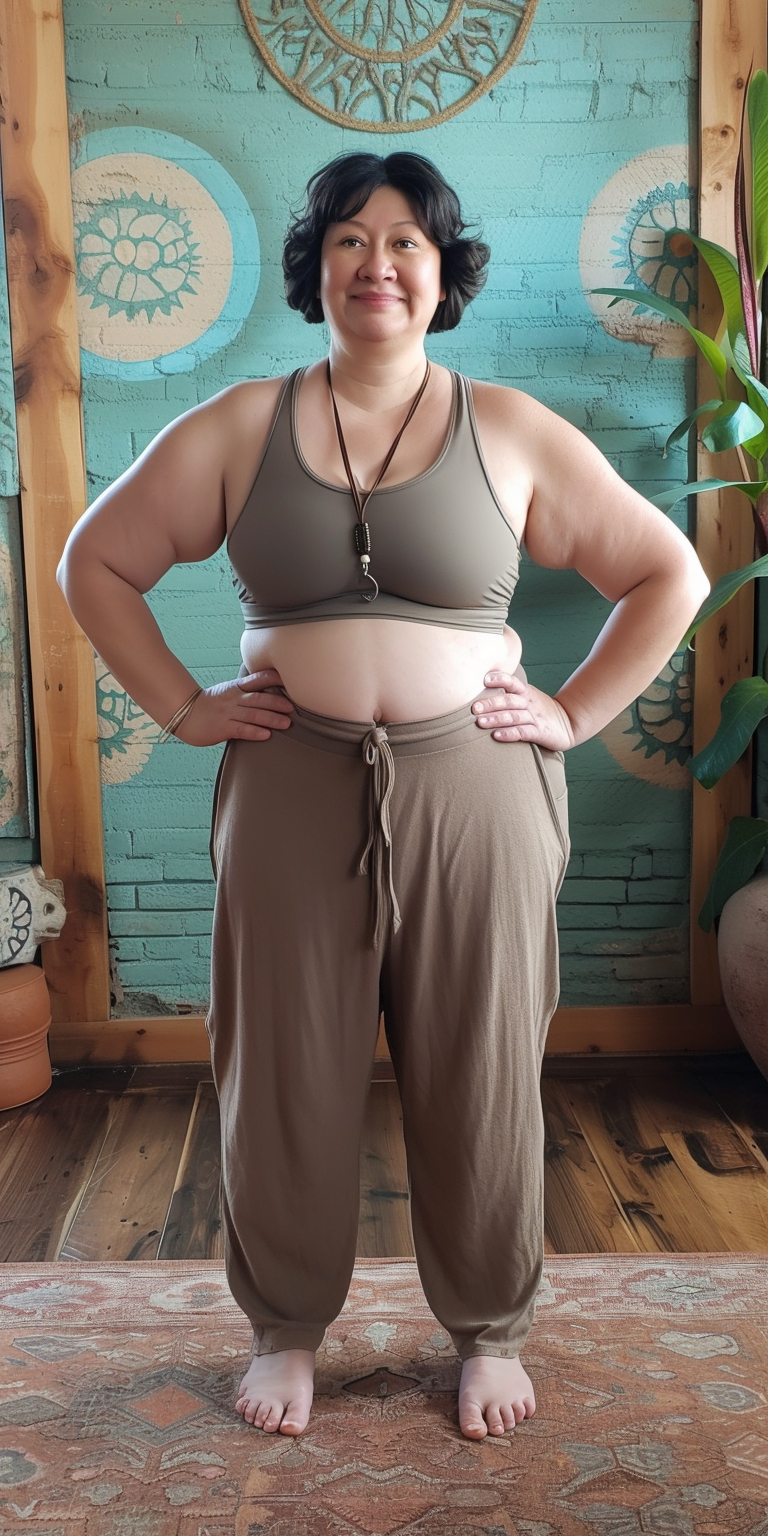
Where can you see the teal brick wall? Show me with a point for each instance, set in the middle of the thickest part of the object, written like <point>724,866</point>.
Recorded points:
<point>597,83</point>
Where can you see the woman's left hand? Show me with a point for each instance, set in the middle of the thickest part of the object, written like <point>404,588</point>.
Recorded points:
<point>516,711</point>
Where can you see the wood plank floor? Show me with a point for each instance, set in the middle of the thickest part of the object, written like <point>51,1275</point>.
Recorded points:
<point>643,1154</point>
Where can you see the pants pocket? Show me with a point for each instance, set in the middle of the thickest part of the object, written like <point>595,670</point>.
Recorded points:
<point>551,766</point>
<point>214,809</point>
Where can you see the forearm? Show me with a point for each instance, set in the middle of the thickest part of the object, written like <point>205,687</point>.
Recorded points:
<point>641,634</point>
<point>123,630</point>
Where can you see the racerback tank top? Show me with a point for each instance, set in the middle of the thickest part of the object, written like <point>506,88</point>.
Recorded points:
<point>442,551</point>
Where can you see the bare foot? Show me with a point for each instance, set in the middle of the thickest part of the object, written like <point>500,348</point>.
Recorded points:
<point>276,1391</point>
<point>494,1394</point>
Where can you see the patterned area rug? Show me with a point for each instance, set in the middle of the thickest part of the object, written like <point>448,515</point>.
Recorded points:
<point>117,1384</point>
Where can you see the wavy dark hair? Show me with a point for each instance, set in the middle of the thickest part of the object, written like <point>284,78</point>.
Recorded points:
<point>340,189</point>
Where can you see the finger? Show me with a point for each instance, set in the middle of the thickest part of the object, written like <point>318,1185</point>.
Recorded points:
<point>506,717</point>
<point>254,699</point>
<point>267,717</point>
<point>268,677</point>
<point>506,680</point>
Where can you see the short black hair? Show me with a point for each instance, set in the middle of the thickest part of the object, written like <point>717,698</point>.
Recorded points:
<point>340,189</point>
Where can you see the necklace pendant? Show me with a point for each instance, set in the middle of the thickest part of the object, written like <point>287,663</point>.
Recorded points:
<point>363,539</point>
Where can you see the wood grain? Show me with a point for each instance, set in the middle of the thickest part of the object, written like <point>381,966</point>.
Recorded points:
<point>650,1028</point>
<point>664,1213</point>
<point>718,1166</point>
<point>192,1227</point>
<point>123,1208</point>
<point>580,1214</point>
<point>385,1224</point>
<point>733,36</point>
<point>34,144</point>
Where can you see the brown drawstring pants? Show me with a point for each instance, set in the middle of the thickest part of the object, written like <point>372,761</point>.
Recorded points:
<point>412,868</point>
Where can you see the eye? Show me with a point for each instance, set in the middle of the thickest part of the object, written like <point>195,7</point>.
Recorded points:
<point>351,240</point>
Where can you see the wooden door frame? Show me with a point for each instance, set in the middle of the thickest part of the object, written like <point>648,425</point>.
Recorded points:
<point>35,158</point>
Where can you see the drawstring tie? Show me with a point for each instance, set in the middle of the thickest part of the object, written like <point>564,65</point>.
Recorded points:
<point>378,755</point>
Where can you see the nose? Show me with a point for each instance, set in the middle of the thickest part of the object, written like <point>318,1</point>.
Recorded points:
<point>377,264</point>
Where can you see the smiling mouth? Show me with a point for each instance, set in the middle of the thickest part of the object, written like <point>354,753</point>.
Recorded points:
<point>376,298</point>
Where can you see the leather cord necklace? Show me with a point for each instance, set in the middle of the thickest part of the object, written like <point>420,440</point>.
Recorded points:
<point>362,529</point>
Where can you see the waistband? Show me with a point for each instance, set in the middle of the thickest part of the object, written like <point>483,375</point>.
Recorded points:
<point>405,737</point>
<point>380,744</point>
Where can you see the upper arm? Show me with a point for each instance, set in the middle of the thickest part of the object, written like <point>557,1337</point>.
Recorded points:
<point>169,506</point>
<point>582,514</point>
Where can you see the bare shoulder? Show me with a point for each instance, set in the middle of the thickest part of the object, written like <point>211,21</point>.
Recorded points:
<point>503,406</point>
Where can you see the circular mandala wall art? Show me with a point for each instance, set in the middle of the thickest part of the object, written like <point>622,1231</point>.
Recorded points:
<point>652,738</point>
<point>126,734</point>
<point>166,250</point>
<point>388,65</point>
<point>626,241</point>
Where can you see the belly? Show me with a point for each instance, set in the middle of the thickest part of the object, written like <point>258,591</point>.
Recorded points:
<point>379,669</point>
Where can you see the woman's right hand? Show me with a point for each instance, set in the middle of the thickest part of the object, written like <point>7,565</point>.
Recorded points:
<point>237,709</point>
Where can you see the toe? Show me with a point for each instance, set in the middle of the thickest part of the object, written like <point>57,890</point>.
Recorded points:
<point>472,1421</point>
<point>495,1423</point>
<point>508,1417</point>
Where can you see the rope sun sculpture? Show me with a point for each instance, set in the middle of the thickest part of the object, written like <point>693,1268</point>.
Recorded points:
<point>388,65</point>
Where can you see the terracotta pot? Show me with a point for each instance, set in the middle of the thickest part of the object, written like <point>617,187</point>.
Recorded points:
<point>25,1014</point>
<point>742,946</point>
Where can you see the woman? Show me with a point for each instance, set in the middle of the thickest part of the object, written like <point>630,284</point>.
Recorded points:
<point>389,824</point>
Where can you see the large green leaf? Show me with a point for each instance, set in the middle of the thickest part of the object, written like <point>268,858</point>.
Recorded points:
<point>757,107</point>
<point>741,711</point>
<point>668,499</point>
<point>722,592</point>
<point>685,426</point>
<point>725,271</point>
<point>733,424</point>
<point>712,352</point>
<point>740,855</point>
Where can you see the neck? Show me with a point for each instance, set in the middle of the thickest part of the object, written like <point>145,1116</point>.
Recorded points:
<point>376,382</point>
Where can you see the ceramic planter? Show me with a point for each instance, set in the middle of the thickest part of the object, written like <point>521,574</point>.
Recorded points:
<point>742,946</point>
<point>25,1014</point>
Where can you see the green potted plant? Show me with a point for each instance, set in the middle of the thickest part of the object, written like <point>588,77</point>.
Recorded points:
<point>738,419</point>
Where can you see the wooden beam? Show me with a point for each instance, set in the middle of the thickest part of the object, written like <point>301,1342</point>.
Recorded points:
<point>34,149</point>
<point>733,37</point>
<point>653,1029</point>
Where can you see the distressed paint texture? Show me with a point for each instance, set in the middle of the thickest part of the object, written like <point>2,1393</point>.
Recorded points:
<point>16,804</point>
<point>595,85</point>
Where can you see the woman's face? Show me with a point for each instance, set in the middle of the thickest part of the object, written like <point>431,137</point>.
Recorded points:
<point>379,272</point>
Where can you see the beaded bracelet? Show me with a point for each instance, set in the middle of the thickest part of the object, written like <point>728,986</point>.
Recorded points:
<point>181,714</point>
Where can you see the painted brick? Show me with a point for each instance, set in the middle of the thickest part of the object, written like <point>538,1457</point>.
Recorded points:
<point>640,915</point>
<point>191,840</point>
<point>651,966</point>
<point>143,923</point>
<point>121,897</point>
<point>117,844</point>
<point>197,922</point>
<point>128,949</point>
<point>588,891</point>
<point>188,868</point>
<point>151,975</point>
<point>177,895</point>
<point>643,866</point>
<point>183,950</point>
<point>671,861</point>
<point>596,864</point>
<point>133,871</point>
<point>657,890</point>
<point>573,916</point>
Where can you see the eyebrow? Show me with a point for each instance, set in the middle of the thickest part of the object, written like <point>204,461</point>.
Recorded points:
<point>412,222</point>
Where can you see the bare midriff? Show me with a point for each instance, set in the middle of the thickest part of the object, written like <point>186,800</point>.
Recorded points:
<point>380,669</point>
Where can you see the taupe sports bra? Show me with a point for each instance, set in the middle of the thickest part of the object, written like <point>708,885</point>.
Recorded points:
<point>442,550</point>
